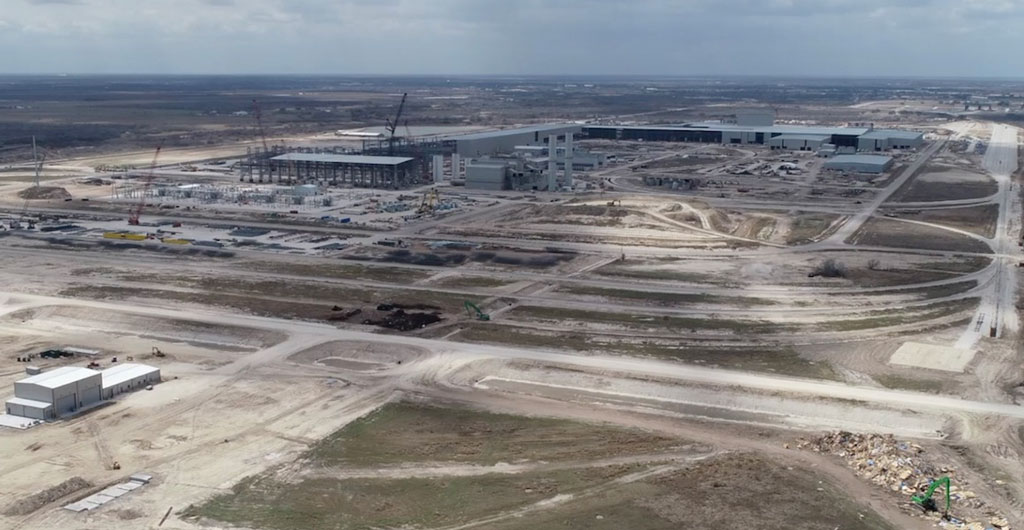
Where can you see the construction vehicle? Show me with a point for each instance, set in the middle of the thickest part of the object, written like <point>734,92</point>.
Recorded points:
<point>158,353</point>
<point>136,211</point>
<point>473,311</point>
<point>616,202</point>
<point>927,503</point>
<point>430,200</point>
<point>392,126</point>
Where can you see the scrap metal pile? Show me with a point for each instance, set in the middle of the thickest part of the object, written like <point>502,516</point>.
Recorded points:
<point>904,467</point>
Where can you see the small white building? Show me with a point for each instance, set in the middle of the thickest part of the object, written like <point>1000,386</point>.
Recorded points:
<point>128,377</point>
<point>859,163</point>
<point>55,393</point>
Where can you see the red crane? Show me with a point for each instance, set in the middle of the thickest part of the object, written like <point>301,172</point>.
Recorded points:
<point>133,215</point>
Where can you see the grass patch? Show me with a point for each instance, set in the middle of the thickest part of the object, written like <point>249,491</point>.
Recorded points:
<point>963,264</point>
<point>979,220</point>
<point>772,359</point>
<point>338,270</point>
<point>664,298</point>
<point>806,228</point>
<point>324,503</point>
<point>888,318</point>
<point>619,270</point>
<point>890,233</point>
<point>408,432</point>
<point>634,321</point>
<point>899,382</point>
<point>718,493</point>
<point>469,282</point>
<point>926,293</point>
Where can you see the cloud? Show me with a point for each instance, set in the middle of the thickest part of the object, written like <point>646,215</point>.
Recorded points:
<point>807,37</point>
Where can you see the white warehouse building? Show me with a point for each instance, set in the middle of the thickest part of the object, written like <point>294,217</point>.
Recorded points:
<point>55,393</point>
<point>67,389</point>
<point>860,163</point>
<point>127,377</point>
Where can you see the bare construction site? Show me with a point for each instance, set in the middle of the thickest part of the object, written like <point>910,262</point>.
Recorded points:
<point>720,316</point>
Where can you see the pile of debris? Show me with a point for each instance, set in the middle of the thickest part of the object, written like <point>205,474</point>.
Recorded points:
<point>402,321</point>
<point>903,467</point>
<point>44,193</point>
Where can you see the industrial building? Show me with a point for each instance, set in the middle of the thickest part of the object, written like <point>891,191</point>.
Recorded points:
<point>859,163</point>
<point>64,390</point>
<point>331,167</point>
<point>55,393</point>
<point>128,377</point>
<point>505,141</point>
<point>885,139</point>
<point>525,169</point>
<point>775,136</point>
<point>504,173</point>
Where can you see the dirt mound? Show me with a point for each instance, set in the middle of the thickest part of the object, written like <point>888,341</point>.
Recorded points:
<point>36,193</point>
<point>38,500</point>
<point>403,321</point>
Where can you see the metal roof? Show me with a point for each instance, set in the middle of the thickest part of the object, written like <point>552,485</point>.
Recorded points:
<point>344,159</point>
<point>859,159</point>
<point>60,377</point>
<point>121,373</point>
<point>809,137</point>
<point>28,403</point>
<point>728,127</point>
<point>551,127</point>
<point>882,134</point>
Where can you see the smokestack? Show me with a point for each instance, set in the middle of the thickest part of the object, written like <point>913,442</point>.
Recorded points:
<point>552,162</point>
<point>568,160</point>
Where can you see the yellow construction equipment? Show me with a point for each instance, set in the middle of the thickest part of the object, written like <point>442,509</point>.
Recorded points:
<point>174,241</point>
<point>430,200</point>
<point>124,235</point>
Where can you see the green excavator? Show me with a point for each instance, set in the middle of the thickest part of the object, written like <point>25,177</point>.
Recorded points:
<point>473,311</point>
<point>927,503</point>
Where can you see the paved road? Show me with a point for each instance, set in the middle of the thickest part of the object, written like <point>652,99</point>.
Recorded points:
<point>997,310</point>
<point>854,223</point>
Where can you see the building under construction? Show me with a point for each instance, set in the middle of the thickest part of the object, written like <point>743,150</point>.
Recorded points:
<point>331,167</point>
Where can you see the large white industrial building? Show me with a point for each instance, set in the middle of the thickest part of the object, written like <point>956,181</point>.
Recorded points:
<point>505,141</point>
<point>55,393</point>
<point>67,389</point>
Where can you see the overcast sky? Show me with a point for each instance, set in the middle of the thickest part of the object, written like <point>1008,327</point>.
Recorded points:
<point>668,37</point>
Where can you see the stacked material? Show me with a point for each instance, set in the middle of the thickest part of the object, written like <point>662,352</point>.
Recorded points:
<point>904,467</point>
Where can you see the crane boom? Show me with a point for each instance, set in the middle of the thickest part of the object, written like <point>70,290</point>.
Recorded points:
<point>258,114</point>
<point>136,211</point>
<point>392,126</point>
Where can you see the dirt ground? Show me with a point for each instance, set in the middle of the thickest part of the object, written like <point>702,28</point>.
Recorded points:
<point>641,357</point>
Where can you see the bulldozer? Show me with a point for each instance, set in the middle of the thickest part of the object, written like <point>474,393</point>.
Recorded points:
<point>927,503</point>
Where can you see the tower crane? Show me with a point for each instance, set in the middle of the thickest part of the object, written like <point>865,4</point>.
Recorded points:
<point>258,115</point>
<point>392,125</point>
<point>133,215</point>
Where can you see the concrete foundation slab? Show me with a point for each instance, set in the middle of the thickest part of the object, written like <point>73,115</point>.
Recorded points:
<point>934,356</point>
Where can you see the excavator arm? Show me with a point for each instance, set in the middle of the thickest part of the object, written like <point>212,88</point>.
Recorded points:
<point>926,501</point>
<point>472,309</point>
